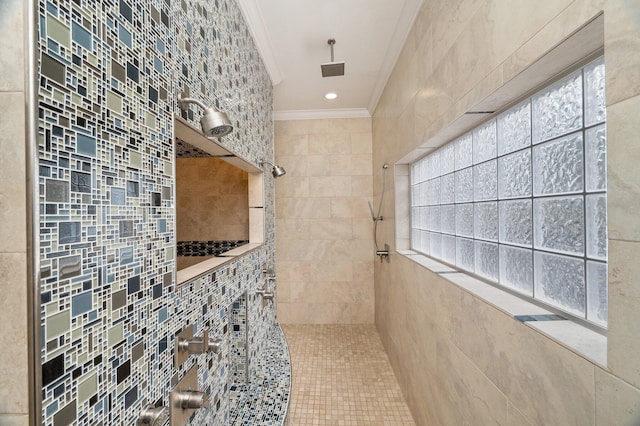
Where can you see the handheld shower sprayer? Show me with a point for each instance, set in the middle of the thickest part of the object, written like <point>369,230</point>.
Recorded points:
<point>384,254</point>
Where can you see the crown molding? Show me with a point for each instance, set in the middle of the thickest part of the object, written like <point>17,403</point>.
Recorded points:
<point>409,13</point>
<point>310,114</point>
<point>258,30</point>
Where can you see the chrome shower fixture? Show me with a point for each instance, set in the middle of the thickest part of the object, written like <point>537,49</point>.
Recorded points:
<point>332,69</point>
<point>276,171</point>
<point>214,123</point>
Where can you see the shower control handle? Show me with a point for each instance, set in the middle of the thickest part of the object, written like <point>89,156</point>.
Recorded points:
<point>199,345</point>
<point>265,293</point>
<point>190,399</point>
<point>153,416</point>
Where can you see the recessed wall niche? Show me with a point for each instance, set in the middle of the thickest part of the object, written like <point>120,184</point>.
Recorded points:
<point>219,203</point>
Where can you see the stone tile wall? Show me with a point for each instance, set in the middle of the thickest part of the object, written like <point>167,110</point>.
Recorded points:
<point>457,358</point>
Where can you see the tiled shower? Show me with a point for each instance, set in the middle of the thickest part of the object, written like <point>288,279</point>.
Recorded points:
<point>110,308</point>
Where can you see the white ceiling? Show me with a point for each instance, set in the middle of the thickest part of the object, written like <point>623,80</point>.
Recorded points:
<point>292,35</point>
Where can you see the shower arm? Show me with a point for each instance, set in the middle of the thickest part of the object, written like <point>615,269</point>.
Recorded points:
<point>267,162</point>
<point>184,103</point>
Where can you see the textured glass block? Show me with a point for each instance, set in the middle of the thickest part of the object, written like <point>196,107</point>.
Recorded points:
<point>559,280</point>
<point>484,142</point>
<point>415,240</point>
<point>448,249</point>
<point>464,220</point>
<point>514,128</point>
<point>448,219</point>
<point>433,165</point>
<point>434,218</point>
<point>425,242</point>
<point>557,110</point>
<point>418,171</point>
<point>465,254</point>
<point>597,226</point>
<point>415,173</point>
<point>516,269</point>
<point>485,181</point>
<point>447,158</point>
<point>515,175</point>
<point>595,152</point>
<point>485,226</point>
<point>486,260</point>
<point>516,222</point>
<point>597,310</point>
<point>463,151</point>
<point>558,224</point>
<point>433,191</point>
<point>594,97</point>
<point>434,244</point>
<point>464,185</point>
<point>557,166</point>
<point>415,218</point>
<point>447,188</point>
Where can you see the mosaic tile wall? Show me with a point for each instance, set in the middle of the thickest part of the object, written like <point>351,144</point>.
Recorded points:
<point>238,340</point>
<point>109,72</point>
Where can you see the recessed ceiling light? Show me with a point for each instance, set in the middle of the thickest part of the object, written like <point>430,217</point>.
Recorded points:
<point>331,95</point>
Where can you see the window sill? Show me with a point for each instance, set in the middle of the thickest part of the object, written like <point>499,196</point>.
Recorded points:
<point>205,267</point>
<point>586,343</point>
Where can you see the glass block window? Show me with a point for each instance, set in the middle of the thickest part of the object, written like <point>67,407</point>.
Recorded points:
<point>521,200</point>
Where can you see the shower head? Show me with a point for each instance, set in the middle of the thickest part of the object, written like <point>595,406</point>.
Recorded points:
<point>213,122</point>
<point>332,69</point>
<point>276,171</point>
<point>385,166</point>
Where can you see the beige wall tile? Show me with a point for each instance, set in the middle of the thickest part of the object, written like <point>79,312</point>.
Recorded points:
<point>351,165</point>
<point>13,226</point>
<point>515,417</point>
<point>304,208</point>
<point>460,379</point>
<point>362,186</point>
<point>624,300</point>
<point>322,223</point>
<point>352,207</point>
<point>348,125</point>
<point>361,143</point>
<point>293,164</point>
<point>299,127</point>
<point>622,47</point>
<point>14,420</point>
<point>319,165</point>
<point>293,270</point>
<point>313,313</point>
<point>12,66</point>
<point>362,228</point>
<point>617,402</point>
<point>293,229</point>
<point>329,144</point>
<point>329,186</point>
<point>288,145</point>
<point>14,392</point>
<point>623,180</point>
<point>331,229</point>
<point>293,186</point>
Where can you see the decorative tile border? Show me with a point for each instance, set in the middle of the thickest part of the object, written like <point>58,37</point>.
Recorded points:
<point>207,248</point>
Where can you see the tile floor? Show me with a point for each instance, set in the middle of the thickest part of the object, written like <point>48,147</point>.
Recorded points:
<point>342,376</point>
